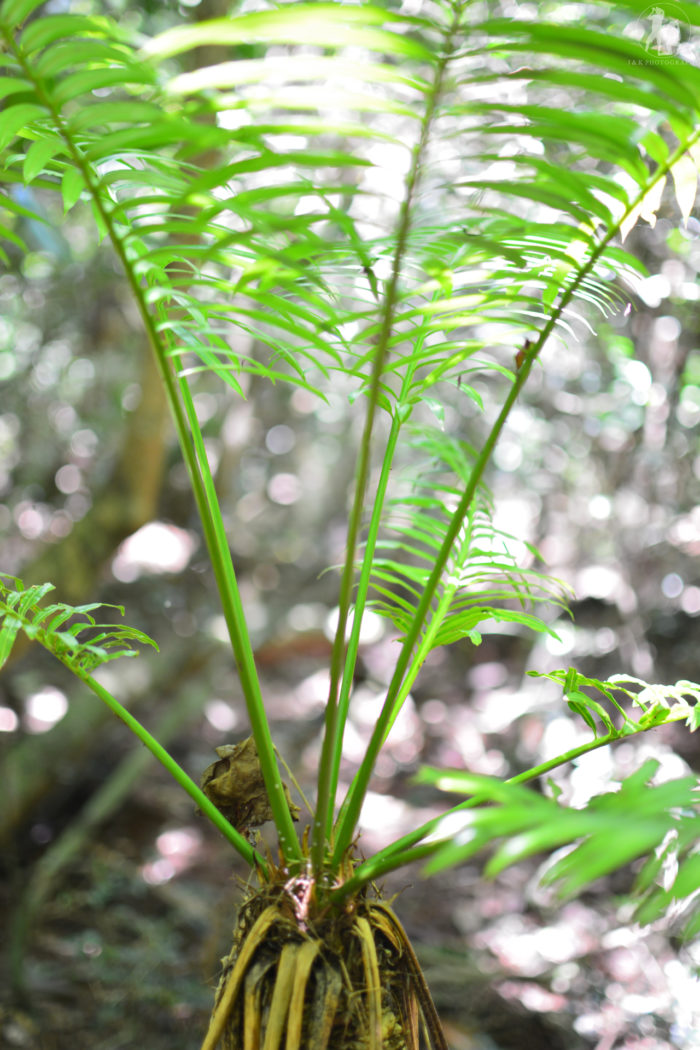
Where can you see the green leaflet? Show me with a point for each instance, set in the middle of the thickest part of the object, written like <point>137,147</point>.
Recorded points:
<point>14,12</point>
<point>609,831</point>
<point>612,53</point>
<point>323,24</point>
<point>46,30</point>
<point>481,570</point>
<point>16,117</point>
<point>658,703</point>
<point>69,632</point>
<point>39,154</point>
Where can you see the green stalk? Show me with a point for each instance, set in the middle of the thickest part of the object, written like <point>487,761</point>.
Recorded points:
<point>360,601</point>
<point>192,446</point>
<point>401,416</point>
<point>240,640</point>
<point>358,789</point>
<point>332,739</point>
<point>241,844</point>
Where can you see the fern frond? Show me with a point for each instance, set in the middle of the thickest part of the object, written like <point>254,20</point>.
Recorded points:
<point>639,819</point>
<point>250,258</point>
<point>596,701</point>
<point>70,632</point>
<point>482,580</point>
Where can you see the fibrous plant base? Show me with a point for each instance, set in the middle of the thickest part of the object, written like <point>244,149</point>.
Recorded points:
<point>336,980</point>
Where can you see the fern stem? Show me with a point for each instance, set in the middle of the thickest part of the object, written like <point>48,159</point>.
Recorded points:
<point>360,602</point>
<point>358,789</point>
<point>401,415</point>
<point>192,446</point>
<point>332,739</point>
<point>240,844</point>
<point>243,651</point>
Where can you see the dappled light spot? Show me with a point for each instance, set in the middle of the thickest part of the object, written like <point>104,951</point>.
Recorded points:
<point>559,736</point>
<point>91,946</point>
<point>638,376</point>
<point>532,996</point>
<point>572,404</point>
<point>303,401</point>
<point>508,455</point>
<point>496,709</point>
<point>306,616</point>
<point>672,585</point>
<point>597,581</point>
<point>280,439</point>
<point>381,812</point>
<point>688,410</point>
<point>30,519</point>
<point>78,505</point>
<point>284,489</point>
<point>206,406</point>
<point>591,775</point>
<point>216,628</point>
<point>44,708</point>
<point>565,641</point>
<point>527,950</point>
<point>654,289</point>
<point>371,630</point>
<point>156,872</point>
<point>385,818</point>
<point>434,712</point>
<point>9,721</point>
<point>666,328</point>
<point>312,692</point>
<point>179,842</point>
<point>61,524</point>
<point>685,532</point>
<point>154,548</point>
<point>220,715</point>
<point>68,479</point>
<point>599,507</point>
<point>131,397</point>
<point>178,849</point>
<point>83,443</point>
<point>488,675</point>
<point>690,601</point>
<point>605,640</point>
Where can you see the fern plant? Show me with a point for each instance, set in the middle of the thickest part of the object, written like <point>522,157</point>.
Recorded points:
<point>398,200</point>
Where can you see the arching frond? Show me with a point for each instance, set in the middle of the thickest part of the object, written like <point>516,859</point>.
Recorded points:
<point>482,579</point>
<point>660,822</point>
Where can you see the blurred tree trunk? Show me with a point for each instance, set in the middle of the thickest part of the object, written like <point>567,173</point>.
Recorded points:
<point>128,500</point>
